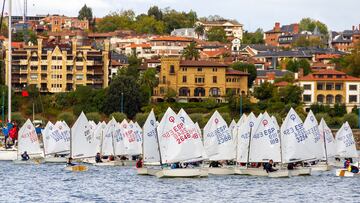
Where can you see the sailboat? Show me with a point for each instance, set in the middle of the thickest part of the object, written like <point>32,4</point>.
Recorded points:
<point>294,142</point>
<point>56,139</point>
<point>151,155</point>
<point>28,141</point>
<point>81,143</point>
<point>176,145</point>
<point>329,142</point>
<point>345,148</point>
<point>264,146</point>
<point>219,144</point>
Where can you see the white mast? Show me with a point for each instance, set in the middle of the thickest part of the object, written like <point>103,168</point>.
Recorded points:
<point>9,65</point>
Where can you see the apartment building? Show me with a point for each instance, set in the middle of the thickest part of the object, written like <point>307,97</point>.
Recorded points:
<point>231,27</point>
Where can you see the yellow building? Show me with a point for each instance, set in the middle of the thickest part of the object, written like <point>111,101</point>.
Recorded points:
<point>58,67</point>
<point>198,80</point>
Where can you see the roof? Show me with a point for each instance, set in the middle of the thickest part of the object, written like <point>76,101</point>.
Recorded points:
<point>315,76</point>
<point>328,56</point>
<point>172,38</point>
<point>259,47</point>
<point>189,63</point>
<point>292,53</point>
<point>220,22</point>
<point>284,29</point>
<point>144,45</point>
<point>281,84</point>
<point>235,72</point>
<point>214,53</point>
<point>278,73</point>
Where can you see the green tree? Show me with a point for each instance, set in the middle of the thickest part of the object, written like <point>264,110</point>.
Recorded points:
<point>265,91</point>
<point>351,63</point>
<point>191,52</point>
<point>85,13</point>
<point>119,117</point>
<point>68,117</point>
<point>174,19</point>
<point>256,37</point>
<point>305,65</point>
<point>155,12</point>
<point>25,36</point>
<point>291,94</point>
<point>303,41</point>
<point>217,34</point>
<point>200,30</point>
<point>294,65</point>
<point>246,67</point>
<point>93,116</point>
<point>148,79</point>
<point>308,24</point>
<point>131,94</point>
<point>117,20</point>
<point>149,25</point>
<point>352,119</point>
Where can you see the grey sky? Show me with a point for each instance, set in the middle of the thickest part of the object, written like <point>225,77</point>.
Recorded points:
<point>338,15</point>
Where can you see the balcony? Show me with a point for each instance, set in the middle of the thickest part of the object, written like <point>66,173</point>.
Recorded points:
<point>23,62</point>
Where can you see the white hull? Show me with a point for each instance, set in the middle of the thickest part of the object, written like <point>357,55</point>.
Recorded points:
<point>109,163</point>
<point>321,167</point>
<point>8,155</point>
<point>204,172</point>
<point>76,168</point>
<point>128,163</point>
<point>147,171</point>
<point>55,159</point>
<point>221,171</point>
<point>179,173</point>
<point>29,162</point>
<point>261,172</point>
<point>300,172</point>
<point>345,173</point>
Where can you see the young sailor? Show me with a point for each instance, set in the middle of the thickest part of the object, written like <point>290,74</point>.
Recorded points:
<point>25,156</point>
<point>351,168</point>
<point>269,166</point>
<point>98,158</point>
<point>69,162</point>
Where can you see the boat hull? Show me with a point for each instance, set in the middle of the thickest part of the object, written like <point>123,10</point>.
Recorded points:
<point>109,163</point>
<point>321,167</point>
<point>300,172</point>
<point>8,155</point>
<point>179,173</point>
<point>221,171</point>
<point>262,173</point>
<point>55,160</point>
<point>29,162</point>
<point>76,168</point>
<point>345,173</point>
<point>147,171</point>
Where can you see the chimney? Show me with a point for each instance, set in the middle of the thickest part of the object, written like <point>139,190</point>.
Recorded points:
<point>277,26</point>
<point>296,28</point>
<point>301,73</point>
<point>353,27</point>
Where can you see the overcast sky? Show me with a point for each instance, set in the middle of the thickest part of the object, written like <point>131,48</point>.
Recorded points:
<point>338,15</point>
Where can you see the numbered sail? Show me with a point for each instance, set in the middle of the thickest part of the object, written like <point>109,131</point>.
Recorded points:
<point>328,137</point>
<point>150,143</point>
<point>345,143</point>
<point>56,138</point>
<point>265,141</point>
<point>107,143</point>
<point>130,139</point>
<point>232,126</point>
<point>294,139</point>
<point>243,138</point>
<point>315,143</point>
<point>82,140</point>
<point>176,144</point>
<point>119,140</point>
<point>218,141</point>
<point>28,140</point>
<point>98,135</point>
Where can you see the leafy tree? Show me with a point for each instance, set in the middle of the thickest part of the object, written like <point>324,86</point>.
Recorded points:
<point>131,93</point>
<point>303,41</point>
<point>291,94</point>
<point>190,52</point>
<point>148,78</point>
<point>170,95</point>
<point>265,91</point>
<point>256,37</point>
<point>141,118</point>
<point>200,30</point>
<point>149,25</point>
<point>245,67</point>
<point>155,12</point>
<point>117,20</point>
<point>287,77</point>
<point>85,13</point>
<point>94,116</point>
<point>351,63</point>
<point>294,66</point>
<point>119,117</point>
<point>25,36</point>
<point>308,24</point>
<point>352,119</point>
<point>174,19</point>
<point>217,34</point>
<point>68,117</point>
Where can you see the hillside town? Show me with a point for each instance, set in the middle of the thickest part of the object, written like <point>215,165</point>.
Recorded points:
<point>130,64</point>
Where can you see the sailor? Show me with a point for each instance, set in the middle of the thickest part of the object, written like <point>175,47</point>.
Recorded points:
<point>351,168</point>
<point>98,158</point>
<point>69,162</point>
<point>25,156</point>
<point>269,166</point>
<point>139,163</point>
<point>215,164</point>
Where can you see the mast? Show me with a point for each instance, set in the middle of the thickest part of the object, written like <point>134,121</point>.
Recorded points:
<point>326,156</point>
<point>157,140</point>
<point>9,63</point>
<point>248,155</point>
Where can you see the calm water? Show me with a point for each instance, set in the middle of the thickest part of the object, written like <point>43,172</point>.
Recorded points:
<point>49,183</point>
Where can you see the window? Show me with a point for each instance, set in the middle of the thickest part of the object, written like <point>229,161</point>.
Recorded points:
<point>321,76</point>
<point>214,69</point>
<point>307,98</point>
<point>164,80</point>
<point>353,87</point>
<point>352,98</point>
<point>199,80</point>
<point>329,86</point>
<point>338,86</point>
<point>172,69</point>
<point>320,86</point>
<point>199,69</point>
<point>184,69</point>
<point>33,76</point>
<point>307,87</point>
<point>214,79</point>
<point>79,77</point>
<point>79,67</point>
<point>184,79</point>
<point>329,76</point>
<point>338,76</point>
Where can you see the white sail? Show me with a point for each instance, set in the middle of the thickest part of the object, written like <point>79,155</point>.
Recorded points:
<point>235,131</point>
<point>56,138</point>
<point>329,139</point>
<point>265,141</point>
<point>315,143</point>
<point>107,143</point>
<point>130,139</point>
<point>243,138</point>
<point>150,143</point>
<point>194,132</point>
<point>345,143</point>
<point>28,140</point>
<point>232,126</point>
<point>119,140</point>
<point>98,134</point>
<point>82,143</point>
<point>218,141</point>
<point>176,144</point>
<point>294,139</point>
<point>136,145</point>
<point>139,136</point>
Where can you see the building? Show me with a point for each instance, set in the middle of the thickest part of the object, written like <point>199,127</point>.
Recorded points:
<point>345,41</point>
<point>231,27</point>
<point>59,23</point>
<point>194,81</point>
<point>169,45</point>
<point>272,36</point>
<point>59,67</point>
<point>270,76</point>
<point>330,87</point>
<point>188,33</point>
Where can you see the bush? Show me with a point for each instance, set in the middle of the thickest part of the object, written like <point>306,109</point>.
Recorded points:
<point>199,118</point>
<point>325,116</point>
<point>119,117</point>
<point>68,117</point>
<point>352,119</point>
<point>140,118</point>
<point>18,118</point>
<point>94,116</point>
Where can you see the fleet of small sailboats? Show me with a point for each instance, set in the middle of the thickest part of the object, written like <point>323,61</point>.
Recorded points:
<point>244,147</point>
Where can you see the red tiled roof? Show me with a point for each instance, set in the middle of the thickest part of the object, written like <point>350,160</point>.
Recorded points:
<point>214,53</point>
<point>106,34</point>
<point>133,46</point>
<point>235,72</point>
<point>17,44</point>
<point>116,63</point>
<point>172,38</point>
<point>281,84</point>
<point>189,63</point>
<point>315,76</point>
<point>328,56</point>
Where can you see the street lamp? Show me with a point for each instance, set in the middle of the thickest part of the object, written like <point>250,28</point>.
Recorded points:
<point>122,102</point>
<point>241,105</point>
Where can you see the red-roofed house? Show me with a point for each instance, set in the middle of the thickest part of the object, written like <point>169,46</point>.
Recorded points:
<point>330,87</point>
<point>141,50</point>
<point>169,45</point>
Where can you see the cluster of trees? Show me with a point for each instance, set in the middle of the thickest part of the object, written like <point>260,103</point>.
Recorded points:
<point>309,24</point>
<point>303,41</point>
<point>294,65</point>
<point>256,37</point>
<point>350,63</point>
